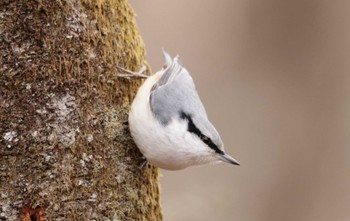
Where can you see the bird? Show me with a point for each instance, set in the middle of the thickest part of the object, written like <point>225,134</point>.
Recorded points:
<point>169,123</point>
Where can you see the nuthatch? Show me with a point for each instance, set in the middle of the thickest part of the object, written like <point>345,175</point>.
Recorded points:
<point>169,123</point>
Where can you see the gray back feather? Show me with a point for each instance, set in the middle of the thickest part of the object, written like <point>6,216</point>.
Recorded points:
<point>175,93</point>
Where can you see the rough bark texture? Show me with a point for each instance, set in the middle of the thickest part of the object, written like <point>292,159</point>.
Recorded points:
<point>65,149</point>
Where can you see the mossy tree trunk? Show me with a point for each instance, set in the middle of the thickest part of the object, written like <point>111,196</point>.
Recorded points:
<point>65,149</point>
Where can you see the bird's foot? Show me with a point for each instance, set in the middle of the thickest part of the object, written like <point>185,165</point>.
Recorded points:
<point>143,163</point>
<point>129,74</point>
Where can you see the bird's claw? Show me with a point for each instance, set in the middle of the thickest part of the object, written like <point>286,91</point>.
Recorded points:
<point>144,163</point>
<point>129,74</point>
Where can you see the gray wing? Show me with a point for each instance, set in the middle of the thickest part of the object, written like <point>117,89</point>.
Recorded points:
<point>177,96</point>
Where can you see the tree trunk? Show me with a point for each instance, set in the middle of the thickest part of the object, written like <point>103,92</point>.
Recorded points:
<point>65,149</point>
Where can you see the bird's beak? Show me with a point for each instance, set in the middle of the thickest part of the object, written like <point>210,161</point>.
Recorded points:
<point>227,158</point>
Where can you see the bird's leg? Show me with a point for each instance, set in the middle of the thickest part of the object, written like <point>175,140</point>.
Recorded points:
<point>144,163</point>
<point>128,74</point>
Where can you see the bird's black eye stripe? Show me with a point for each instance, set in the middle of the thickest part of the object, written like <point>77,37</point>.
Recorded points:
<point>193,129</point>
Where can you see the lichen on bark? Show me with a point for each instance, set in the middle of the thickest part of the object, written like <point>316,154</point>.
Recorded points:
<point>64,139</point>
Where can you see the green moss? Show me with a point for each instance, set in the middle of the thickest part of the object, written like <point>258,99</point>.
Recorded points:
<point>71,151</point>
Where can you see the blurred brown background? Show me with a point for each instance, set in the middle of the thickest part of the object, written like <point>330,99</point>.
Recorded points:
<point>275,79</point>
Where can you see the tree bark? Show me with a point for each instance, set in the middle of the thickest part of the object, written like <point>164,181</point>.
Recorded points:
<point>65,149</point>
